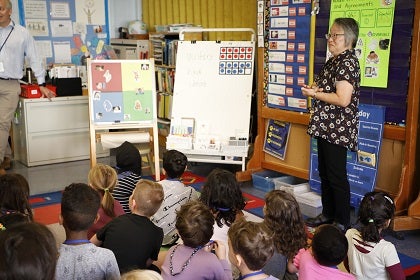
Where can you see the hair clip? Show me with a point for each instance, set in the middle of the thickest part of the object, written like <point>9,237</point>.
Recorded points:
<point>372,198</point>
<point>106,190</point>
<point>2,228</point>
<point>223,209</point>
<point>370,221</point>
<point>389,199</point>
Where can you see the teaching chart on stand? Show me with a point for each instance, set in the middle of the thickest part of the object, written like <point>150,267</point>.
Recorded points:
<point>213,86</point>
<point>121,100</point>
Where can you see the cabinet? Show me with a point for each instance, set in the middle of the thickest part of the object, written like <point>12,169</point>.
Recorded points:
<point>55,131</point>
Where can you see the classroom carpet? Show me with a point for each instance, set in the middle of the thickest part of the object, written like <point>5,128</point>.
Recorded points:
<point>46,209</point>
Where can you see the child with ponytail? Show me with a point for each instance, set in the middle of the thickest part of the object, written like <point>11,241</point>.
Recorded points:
<point>370,256</point>
<point>103,179</point>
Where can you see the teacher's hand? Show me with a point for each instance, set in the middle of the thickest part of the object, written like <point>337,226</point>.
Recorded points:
<point>311,91</point>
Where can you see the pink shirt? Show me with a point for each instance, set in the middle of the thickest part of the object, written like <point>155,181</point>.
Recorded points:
<point>310,269</point>
<point>104,218</point>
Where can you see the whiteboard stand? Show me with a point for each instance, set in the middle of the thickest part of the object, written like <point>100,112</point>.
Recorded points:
<point>137,87</point>
<point>213,86</point>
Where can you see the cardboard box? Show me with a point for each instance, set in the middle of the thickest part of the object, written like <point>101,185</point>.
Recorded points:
<point>263,180</point>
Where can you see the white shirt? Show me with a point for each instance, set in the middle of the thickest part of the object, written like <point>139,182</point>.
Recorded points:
<point>372,263</point>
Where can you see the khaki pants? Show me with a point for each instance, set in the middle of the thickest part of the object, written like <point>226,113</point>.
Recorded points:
<point>9,98</point>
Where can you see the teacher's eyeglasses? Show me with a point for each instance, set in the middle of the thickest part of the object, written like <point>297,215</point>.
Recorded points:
<point>333,36</point>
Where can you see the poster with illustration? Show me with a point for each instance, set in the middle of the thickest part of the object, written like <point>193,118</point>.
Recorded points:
<point>376,19</point>
<point>117,100</point>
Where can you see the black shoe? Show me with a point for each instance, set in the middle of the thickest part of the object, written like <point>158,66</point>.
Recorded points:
<point>341,227</point>
<point>318,220</point>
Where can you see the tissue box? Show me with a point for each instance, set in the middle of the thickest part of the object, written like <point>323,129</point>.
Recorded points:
<point>263,180</point>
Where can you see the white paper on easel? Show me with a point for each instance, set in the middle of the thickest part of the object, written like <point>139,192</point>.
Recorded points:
<point>114,140</point>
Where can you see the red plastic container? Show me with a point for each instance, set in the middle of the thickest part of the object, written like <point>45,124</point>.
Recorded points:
<point>32,91</point>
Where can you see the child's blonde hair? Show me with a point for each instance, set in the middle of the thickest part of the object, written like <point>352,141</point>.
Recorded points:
<point>148,196</point>
<point>141,274</point>
<point>103,178</point>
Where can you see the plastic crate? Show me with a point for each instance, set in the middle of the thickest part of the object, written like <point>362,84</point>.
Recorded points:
<point>291,184</point>
<point>32,91</point>
<point>263,180</point>
<point>310,204</point>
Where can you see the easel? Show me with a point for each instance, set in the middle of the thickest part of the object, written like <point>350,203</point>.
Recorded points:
<point>126,104</point>
<point>232,91</point>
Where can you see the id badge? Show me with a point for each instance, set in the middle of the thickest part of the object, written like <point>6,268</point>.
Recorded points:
<point>1,67</point>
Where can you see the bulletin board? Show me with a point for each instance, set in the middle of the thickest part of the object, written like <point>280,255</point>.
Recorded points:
<point>67,31</point>
<point>213,86</point>
<point>118,100</point>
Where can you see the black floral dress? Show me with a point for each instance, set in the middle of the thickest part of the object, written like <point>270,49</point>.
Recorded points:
<point>337,125</point>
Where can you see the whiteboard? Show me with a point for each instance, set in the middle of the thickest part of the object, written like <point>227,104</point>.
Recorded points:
<point>213,85</point>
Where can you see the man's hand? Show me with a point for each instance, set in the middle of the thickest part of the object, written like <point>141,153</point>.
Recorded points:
<point>46,92</point>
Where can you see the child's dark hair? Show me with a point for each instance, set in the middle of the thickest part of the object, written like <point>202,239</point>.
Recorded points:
<point>221,193</point>
<point>14,194</point>
<point>252,241</point>
<point>27,251</point>
<point>14,218</point>
<point>329,245</point>
<point>79,206</point>
<point>174,163</point>
<point>375,210</point>
<point>282,215</point>
<point>194,223</point>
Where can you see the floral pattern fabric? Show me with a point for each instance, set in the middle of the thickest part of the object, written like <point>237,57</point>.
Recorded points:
<point>338,125</point>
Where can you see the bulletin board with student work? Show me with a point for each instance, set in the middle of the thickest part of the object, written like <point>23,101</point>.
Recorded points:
<point>212,100</point>
<point>67,31</point>
<point>122,96</point>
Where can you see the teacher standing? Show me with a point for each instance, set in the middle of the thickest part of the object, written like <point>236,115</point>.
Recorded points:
<point>15,44</point>
<point>334,121</point>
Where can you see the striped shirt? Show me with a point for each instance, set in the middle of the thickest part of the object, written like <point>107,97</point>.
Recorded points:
<point>126,183</point>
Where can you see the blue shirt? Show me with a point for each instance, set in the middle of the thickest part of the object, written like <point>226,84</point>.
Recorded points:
<point>19,44</point>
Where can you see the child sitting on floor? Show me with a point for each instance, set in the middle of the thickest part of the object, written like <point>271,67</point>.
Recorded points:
<point>14,195</point>
<point>370,256</point>
<point>319,262</point>
<point>193,259</point>
<point>79,259</point>
<point>103,179</point>
<point>176,194</point>
<point>27,251</point>
<point>129,173</point>
<point>133,238</point>
<point>283,217</point>
<point>250,247</point>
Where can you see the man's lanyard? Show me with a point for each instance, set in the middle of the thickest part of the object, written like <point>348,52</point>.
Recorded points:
<point>13,27</point>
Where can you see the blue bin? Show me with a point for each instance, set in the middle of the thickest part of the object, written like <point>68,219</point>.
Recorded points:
<point>263,180</point>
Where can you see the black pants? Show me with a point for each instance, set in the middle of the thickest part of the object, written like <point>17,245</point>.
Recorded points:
<point>335,188</point>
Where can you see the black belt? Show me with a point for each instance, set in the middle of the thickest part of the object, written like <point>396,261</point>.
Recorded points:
<point>7,79</point>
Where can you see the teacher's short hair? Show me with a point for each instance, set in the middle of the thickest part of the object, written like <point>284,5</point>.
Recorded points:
<point>351,29</point>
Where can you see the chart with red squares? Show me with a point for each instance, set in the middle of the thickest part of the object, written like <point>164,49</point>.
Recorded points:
<point>235,60</point>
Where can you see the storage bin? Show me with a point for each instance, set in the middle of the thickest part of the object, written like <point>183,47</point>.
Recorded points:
<point>32,91</point>
<point>310,203</point>
<point>291,184</point>
<point>263,180</point>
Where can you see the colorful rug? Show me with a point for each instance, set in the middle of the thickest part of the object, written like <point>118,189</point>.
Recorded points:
<point>47,208</point>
